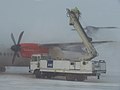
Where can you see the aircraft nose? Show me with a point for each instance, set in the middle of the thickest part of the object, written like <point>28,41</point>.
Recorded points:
<point>15,48</point>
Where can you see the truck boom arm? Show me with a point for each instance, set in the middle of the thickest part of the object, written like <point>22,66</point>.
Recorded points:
<point>74,15</point>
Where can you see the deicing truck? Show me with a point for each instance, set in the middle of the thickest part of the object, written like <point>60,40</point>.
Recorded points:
<point>43,66</point>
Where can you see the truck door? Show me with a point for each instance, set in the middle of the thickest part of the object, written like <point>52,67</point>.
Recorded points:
<point>34,64</point>
<point>72,65</point>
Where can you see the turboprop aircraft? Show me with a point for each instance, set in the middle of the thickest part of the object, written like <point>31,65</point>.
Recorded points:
<point>19,54</point>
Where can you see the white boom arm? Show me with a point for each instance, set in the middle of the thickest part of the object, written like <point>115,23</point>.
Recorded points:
<point>74,15</point>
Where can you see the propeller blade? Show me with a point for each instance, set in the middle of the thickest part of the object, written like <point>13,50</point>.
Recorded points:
<point>14,56</point>
<point>20,37</point>
<point>18,55</point>
<point>16,46</point>
<point>13,39</point>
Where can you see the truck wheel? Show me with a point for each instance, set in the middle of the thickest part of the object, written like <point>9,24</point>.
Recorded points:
<point>37,74</point>
<point>70,77</point>
<point>81,77</point>
<point>49,75</point>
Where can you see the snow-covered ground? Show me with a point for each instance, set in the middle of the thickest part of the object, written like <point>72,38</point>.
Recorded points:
<point>18,78</point>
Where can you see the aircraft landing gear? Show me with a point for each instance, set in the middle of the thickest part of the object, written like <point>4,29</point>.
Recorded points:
<point>2,69</point>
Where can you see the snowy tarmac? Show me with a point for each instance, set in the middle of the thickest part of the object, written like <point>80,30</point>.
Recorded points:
<point>18,78</point>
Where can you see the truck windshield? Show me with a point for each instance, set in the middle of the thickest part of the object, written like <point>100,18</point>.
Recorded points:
<point>44,57</point>
<point>34,58</point>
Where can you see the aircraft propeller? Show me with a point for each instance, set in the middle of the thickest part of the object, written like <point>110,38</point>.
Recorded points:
<point>16,47</point>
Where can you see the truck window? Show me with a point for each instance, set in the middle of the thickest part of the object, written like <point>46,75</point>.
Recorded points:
<point>39,58</point>
<point>44,57</point>
<point>34,58</point>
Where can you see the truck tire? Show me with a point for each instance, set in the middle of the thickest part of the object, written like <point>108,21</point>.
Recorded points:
<point>49,75</point>
<point>70,77</point>
<point>37,73</point>
<point>81,77</point>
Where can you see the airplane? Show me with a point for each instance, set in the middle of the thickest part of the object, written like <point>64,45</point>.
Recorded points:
<point>20,53</point>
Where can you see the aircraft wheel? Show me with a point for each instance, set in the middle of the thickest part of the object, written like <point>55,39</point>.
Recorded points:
<point>2,69</point>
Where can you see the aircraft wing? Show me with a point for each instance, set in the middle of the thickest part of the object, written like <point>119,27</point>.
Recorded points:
<point>74,46</point>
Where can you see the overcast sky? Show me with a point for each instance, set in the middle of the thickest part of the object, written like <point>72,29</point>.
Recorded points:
<point>45,21</point>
